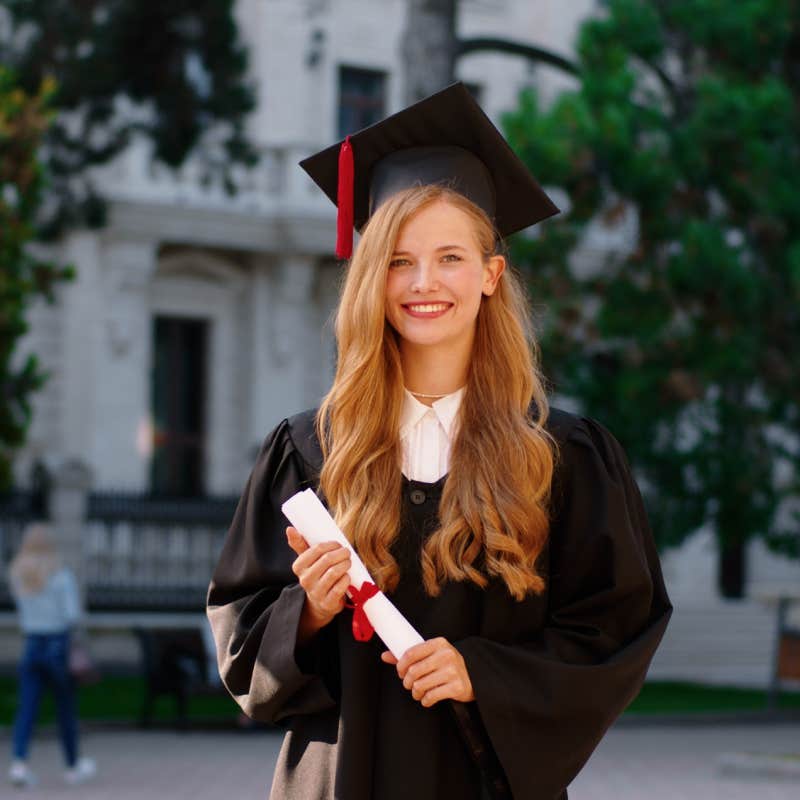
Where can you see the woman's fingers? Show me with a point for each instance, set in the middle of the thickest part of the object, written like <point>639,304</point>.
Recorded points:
<point>444,692</point>
<point>433,671</point>
<point>308,558</point>
<point>338,593</point>
<point>314,567</point>
<point>322,570</point>
<point>418,670</point>
<point>419,652</point>
<point>433,679</point>
<point>296,541</point>
<point>326,604</point>
<point>331,578</point>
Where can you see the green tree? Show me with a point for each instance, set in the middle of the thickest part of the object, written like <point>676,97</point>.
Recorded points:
<point>685,119</point>
<point>23,122</point>
<point>172,70</point>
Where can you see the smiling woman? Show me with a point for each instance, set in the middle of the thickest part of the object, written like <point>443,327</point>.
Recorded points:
<point>429,280</point>
<point>509,533</point>
<point>480,347</point>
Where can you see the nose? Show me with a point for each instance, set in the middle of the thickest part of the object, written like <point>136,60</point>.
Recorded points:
<point>426,277</point>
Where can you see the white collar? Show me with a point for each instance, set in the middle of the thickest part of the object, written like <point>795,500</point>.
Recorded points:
<point>445,408</point>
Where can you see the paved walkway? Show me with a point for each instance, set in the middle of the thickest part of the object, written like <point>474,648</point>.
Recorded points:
<point>656,763</point>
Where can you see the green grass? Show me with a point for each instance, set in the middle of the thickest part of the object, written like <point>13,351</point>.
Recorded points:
<point>686,698</point>
<point>120,699</point>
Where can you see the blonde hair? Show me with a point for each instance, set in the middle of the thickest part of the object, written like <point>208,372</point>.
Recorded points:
<point>36,560</point>
<point>493,512</point>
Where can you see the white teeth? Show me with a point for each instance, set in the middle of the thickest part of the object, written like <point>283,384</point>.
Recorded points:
<point>425,309</point>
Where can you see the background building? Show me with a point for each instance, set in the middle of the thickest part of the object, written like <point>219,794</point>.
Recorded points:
<point>198,321</point>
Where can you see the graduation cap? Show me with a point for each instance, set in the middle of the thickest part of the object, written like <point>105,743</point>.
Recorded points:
<point>445,138</point>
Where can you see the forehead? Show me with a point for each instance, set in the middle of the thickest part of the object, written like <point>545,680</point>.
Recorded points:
<point>440,221</point>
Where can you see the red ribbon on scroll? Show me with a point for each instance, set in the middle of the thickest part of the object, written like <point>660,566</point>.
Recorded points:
<point>362,627</point>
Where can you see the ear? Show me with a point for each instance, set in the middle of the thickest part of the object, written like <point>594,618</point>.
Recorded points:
<point>492,271</point>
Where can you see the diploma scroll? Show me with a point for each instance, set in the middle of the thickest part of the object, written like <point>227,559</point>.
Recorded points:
<point>306,513</point>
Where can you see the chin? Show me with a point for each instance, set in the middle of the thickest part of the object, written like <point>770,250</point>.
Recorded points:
<point>425,339</point>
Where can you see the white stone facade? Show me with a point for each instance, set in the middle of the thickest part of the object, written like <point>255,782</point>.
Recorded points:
<point>258,268</point>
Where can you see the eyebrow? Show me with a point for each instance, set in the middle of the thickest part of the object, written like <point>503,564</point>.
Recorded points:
<point>438,249</point>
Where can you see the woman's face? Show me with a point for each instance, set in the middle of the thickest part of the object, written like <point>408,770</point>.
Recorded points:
<point>437,276</point>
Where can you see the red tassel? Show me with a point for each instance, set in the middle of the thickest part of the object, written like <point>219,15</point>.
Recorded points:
<point>362,627</point>
<point>344,201</point>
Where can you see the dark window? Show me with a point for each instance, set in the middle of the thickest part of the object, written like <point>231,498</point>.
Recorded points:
<point>178,397</point>
<point>362,98</point>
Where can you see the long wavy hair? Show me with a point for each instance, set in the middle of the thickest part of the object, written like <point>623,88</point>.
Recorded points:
<point>493,513</point>
<point>36,560</point>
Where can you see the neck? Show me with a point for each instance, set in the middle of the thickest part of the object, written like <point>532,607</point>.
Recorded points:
<point>432,370</point>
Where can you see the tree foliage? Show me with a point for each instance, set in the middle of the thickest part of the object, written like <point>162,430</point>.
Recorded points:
<point>23,123</point>
<point>685,343</point>
<point>173,70</point>
<point>87,76</point>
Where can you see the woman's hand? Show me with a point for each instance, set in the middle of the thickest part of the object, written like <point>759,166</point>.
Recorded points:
<point>322,571</point>
<point>433,671</point>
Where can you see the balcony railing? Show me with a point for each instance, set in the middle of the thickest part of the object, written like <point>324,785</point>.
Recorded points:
<point>276,182</point>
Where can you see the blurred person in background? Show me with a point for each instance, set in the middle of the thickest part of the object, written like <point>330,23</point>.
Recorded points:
<point>46,595</point>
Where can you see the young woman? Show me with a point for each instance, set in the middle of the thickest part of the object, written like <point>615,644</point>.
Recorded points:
<point>510,534</point>
<point>48,605</point>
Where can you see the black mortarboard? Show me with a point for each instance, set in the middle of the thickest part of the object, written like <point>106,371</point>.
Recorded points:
<point>445,138</point>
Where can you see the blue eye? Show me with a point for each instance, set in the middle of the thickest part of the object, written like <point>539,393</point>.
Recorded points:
<point>396,262</point>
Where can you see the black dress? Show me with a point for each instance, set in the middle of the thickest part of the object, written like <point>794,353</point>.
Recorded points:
<point>550,674</point>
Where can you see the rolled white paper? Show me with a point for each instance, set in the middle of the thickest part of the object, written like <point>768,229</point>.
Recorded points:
<point>306,513</point>
<point>396,632</point>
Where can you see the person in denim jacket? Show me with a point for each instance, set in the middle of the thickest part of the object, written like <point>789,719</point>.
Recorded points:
<point>48,605</point>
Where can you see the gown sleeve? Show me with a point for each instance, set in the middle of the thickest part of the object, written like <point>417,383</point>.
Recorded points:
<point>547,700</point>
<point>255,634</point>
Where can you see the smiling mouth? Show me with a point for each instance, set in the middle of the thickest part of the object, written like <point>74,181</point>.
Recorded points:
<point>426,309</point>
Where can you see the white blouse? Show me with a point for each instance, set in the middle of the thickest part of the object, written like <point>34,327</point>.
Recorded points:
<point>426,435</point>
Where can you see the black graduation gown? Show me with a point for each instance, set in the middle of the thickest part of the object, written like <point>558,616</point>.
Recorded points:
<point>550,673</point>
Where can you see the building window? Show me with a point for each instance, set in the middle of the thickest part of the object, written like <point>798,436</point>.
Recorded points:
<point>362,98</point>
<point>178,397</point>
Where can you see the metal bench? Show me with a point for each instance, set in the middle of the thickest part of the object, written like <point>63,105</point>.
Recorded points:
<point>174,662</point>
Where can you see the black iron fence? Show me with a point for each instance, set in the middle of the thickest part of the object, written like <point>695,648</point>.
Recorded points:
<point>144,552</point>
<point>139,552</point>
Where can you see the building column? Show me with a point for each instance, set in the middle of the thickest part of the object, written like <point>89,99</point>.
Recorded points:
<point>286,341</point>
<point>80,300</point>
<point>122,416</point>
